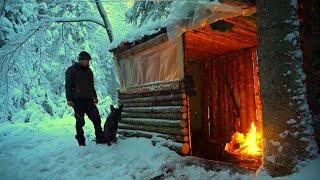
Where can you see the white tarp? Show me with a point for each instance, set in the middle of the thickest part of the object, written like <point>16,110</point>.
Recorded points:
<point>158,63</point>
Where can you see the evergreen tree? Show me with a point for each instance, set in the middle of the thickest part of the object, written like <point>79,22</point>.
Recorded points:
<point>143,11</point>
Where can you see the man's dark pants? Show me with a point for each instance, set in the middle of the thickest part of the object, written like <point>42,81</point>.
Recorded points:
<point>81,107</point>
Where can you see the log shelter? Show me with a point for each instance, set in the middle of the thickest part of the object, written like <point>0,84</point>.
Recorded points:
<point>195,89</point>
<point>194,82</point>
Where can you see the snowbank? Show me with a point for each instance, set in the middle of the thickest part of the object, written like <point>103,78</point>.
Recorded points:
<point>47,150</point>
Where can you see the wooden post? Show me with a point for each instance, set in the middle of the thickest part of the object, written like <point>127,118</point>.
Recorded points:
<point>257,91</point>
<point>250,87</point>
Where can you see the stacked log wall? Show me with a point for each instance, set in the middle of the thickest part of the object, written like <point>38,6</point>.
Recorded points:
<point>158,109</point>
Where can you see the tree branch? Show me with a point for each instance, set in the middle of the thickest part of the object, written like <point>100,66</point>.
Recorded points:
<point>12,46</point>
<point>79,19</point>
<point>104,17</point>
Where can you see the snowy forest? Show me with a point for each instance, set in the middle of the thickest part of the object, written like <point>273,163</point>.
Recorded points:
<point>41,39</point>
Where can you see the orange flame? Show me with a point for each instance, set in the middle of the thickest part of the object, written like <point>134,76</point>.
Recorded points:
<point>249,144</point>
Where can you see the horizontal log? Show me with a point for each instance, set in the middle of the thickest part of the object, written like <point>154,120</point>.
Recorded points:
<point>175,116</point>
<point>171,97</point>
<point>155,122</point>
<point>164,130</point>
<point>153,87</point>
<point>181,148</point>
<point>157,103</point>
<point>146,134</point>
<point>157,109</point>
<point>151,93</point>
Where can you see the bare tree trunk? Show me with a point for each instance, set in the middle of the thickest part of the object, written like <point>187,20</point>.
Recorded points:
<point>288,134</point>
<point>106,21</point>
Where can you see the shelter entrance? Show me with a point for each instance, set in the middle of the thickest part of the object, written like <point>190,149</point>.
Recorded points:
<point>225,111</point>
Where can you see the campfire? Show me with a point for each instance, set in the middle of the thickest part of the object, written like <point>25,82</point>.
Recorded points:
<point>246,145</point>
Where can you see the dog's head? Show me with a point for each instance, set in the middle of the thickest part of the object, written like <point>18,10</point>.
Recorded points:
<point>116,112</point>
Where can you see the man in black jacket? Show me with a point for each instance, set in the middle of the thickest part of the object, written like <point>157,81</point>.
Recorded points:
<point>82,96</point>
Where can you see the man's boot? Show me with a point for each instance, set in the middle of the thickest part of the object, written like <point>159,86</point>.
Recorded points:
<point>81,140</point>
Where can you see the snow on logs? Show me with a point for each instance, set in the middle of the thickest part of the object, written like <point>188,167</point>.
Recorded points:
<point>137,133</point>
<point>154,128</point>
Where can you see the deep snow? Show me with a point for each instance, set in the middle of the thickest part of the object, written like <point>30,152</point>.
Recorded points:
<point>47,150</point>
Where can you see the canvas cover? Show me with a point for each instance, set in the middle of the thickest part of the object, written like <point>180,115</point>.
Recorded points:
<point>158,63</point>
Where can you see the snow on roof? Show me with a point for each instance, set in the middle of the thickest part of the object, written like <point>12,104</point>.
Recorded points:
<point>138,33</point>
<point>185,15</point>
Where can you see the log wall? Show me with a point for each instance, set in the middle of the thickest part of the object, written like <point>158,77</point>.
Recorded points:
<point>234,98</point>
<point>156,109</point>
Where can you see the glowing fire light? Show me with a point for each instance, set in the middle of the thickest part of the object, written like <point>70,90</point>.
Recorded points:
<point>249,144</point>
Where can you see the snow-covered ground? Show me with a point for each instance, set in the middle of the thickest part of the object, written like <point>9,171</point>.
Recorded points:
<point>47,150</point>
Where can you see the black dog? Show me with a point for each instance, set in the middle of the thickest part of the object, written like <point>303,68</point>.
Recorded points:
<point>111,124</point>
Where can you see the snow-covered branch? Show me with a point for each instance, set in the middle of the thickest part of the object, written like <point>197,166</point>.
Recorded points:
<point>104,16</point>
<point>80,19</point>
<point>12,46</point>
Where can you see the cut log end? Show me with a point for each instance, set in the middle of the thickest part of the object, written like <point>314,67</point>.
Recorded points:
<point>185,148</point>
